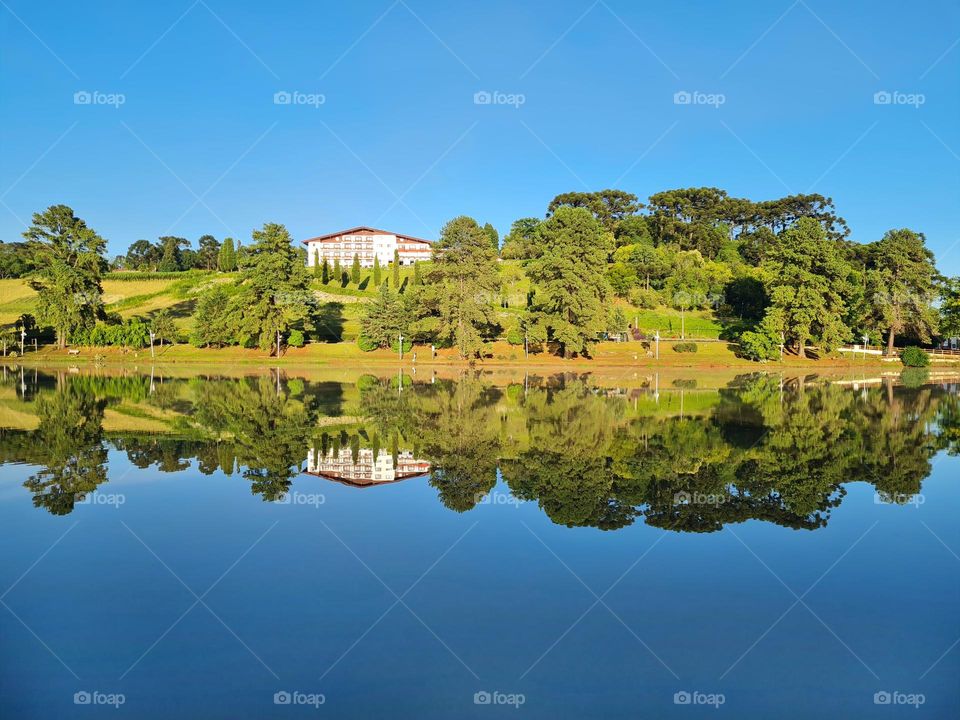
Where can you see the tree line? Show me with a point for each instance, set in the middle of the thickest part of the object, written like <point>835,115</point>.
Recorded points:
<point>778,273</point>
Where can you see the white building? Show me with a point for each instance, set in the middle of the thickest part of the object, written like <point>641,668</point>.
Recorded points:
<point>366,243</point>
<point>368,470</point>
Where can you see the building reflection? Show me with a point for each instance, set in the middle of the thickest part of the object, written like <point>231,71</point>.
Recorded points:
<point>363,469</point>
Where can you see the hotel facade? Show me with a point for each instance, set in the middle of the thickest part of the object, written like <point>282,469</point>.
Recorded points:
<point>366,243</point>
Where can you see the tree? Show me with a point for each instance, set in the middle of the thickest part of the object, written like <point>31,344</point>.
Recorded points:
<point>227,257</point>
<point>464,277</point>
<point>396,269</point>
<point>163,327</point>
<point>68,263</point>
<point>901,279</point>
<point>317,266</point>
<point>491,232</point>
<point>377,274</point>
<point>208,253</point>
<point>143,255</point>
<point>274,292</point>
<point>568,274</point>
<point>807,278</point>
<point>609,207</point>
<point>355,270</point>
<point>950,307</point>
<point>337,271</point>
<point>385,319</point>
<point>172,260</point>
<point>417,278</point>
<point>325,272</point>
<point>520,242</point>
<point>212,321</point>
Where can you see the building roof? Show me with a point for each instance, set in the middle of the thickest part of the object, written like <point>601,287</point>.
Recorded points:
<point>365,483</point>
<point>366,230</point>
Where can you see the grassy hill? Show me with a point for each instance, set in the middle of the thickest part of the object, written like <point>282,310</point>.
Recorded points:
<point>143,294</point>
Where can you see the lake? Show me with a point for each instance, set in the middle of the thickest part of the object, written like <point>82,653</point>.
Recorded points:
<point>341,544</point>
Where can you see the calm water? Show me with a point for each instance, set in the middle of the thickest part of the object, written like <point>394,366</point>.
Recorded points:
<point>272,546</point>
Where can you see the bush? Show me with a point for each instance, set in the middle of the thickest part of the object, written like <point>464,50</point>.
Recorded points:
<point>366,344</point>
<point>296,339</point>
<point>407,346</point>
<point>685,347</point>
<point>758,346</point>
<point>645,299</point>
<point>914,357</point>
<point>914,377</point>
<point>515,335</point>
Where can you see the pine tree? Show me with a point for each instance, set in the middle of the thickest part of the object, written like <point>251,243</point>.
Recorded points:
<point>317,267</point>
<point>355,270</point>
<point>376,271</point>
<point>417,278</point>
<point>396,269</point>
<point>337,271</point>
<point>325,272</point>
<point>227,257</point>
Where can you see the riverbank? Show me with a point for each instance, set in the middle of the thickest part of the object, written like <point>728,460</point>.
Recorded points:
<point>709,356</point>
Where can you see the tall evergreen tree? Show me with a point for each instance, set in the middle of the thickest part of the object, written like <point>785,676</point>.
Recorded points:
<point>325,272</point>
<point>355,270</point>
<point>396,269</point>
<point>68,262</point>
<point>571,287</point>
<point>417,277</point>
<point>464,277</point>
<point>274,292</point>
<point>227,257</point>
<point>376,271</point>
<point>491,232</point>
<point>337,271</point>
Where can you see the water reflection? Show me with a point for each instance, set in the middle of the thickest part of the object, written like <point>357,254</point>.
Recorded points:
<point>675,457</point>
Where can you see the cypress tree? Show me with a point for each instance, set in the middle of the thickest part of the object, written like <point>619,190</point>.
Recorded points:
<point>417,279</point>
<point>376,271</point>
<point>355,270</point>
<point>337,271</point>
<point>227,257</point>
<point>396,269</point>
<point>317,266</point>
<point>325,272</point>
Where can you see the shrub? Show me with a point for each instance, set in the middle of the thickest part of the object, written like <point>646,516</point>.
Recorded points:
<point>515,335</point>
<point>645,299</point>
<point>366,344</point>
<point>296,339</point>
<point>407,345</point>
<point>685,347</point>
<point>914,377</point>
<point>758,346</point>
<point>914,357</point>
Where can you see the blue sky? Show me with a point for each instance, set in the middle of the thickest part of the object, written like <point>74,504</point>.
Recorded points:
<point>198,144</point>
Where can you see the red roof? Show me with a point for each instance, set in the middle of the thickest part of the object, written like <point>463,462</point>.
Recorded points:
<point>367,231</point>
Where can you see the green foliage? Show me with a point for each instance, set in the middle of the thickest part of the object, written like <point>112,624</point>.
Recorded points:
<point>643,298</point>
<point>172,258</point>
<point>355,270</point>
<point>396,270</point>
<point>407,345</point>
<point>325,272</point>
<point>296,338</point>
<point>163,326</point>
<point>515,335</point>
<point>758,346</point>
<point>685,347</point>
<point>491,232</point>
<point>133,334</point>
<point>463,278</point>
<point>520,242</point>
<point>213,321</point>
<point>914,357</point>
<point>366,344</point>
<point>377,273</point>
<point>570,289</point>
<point>68,265</point>
<point>385,318</point>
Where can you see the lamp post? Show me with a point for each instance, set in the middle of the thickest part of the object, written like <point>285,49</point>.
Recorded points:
<point>152,336</point>
<point>865,339</point>
<point>400,343</point>
<point>23,339</point>
<point>656,337</point>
